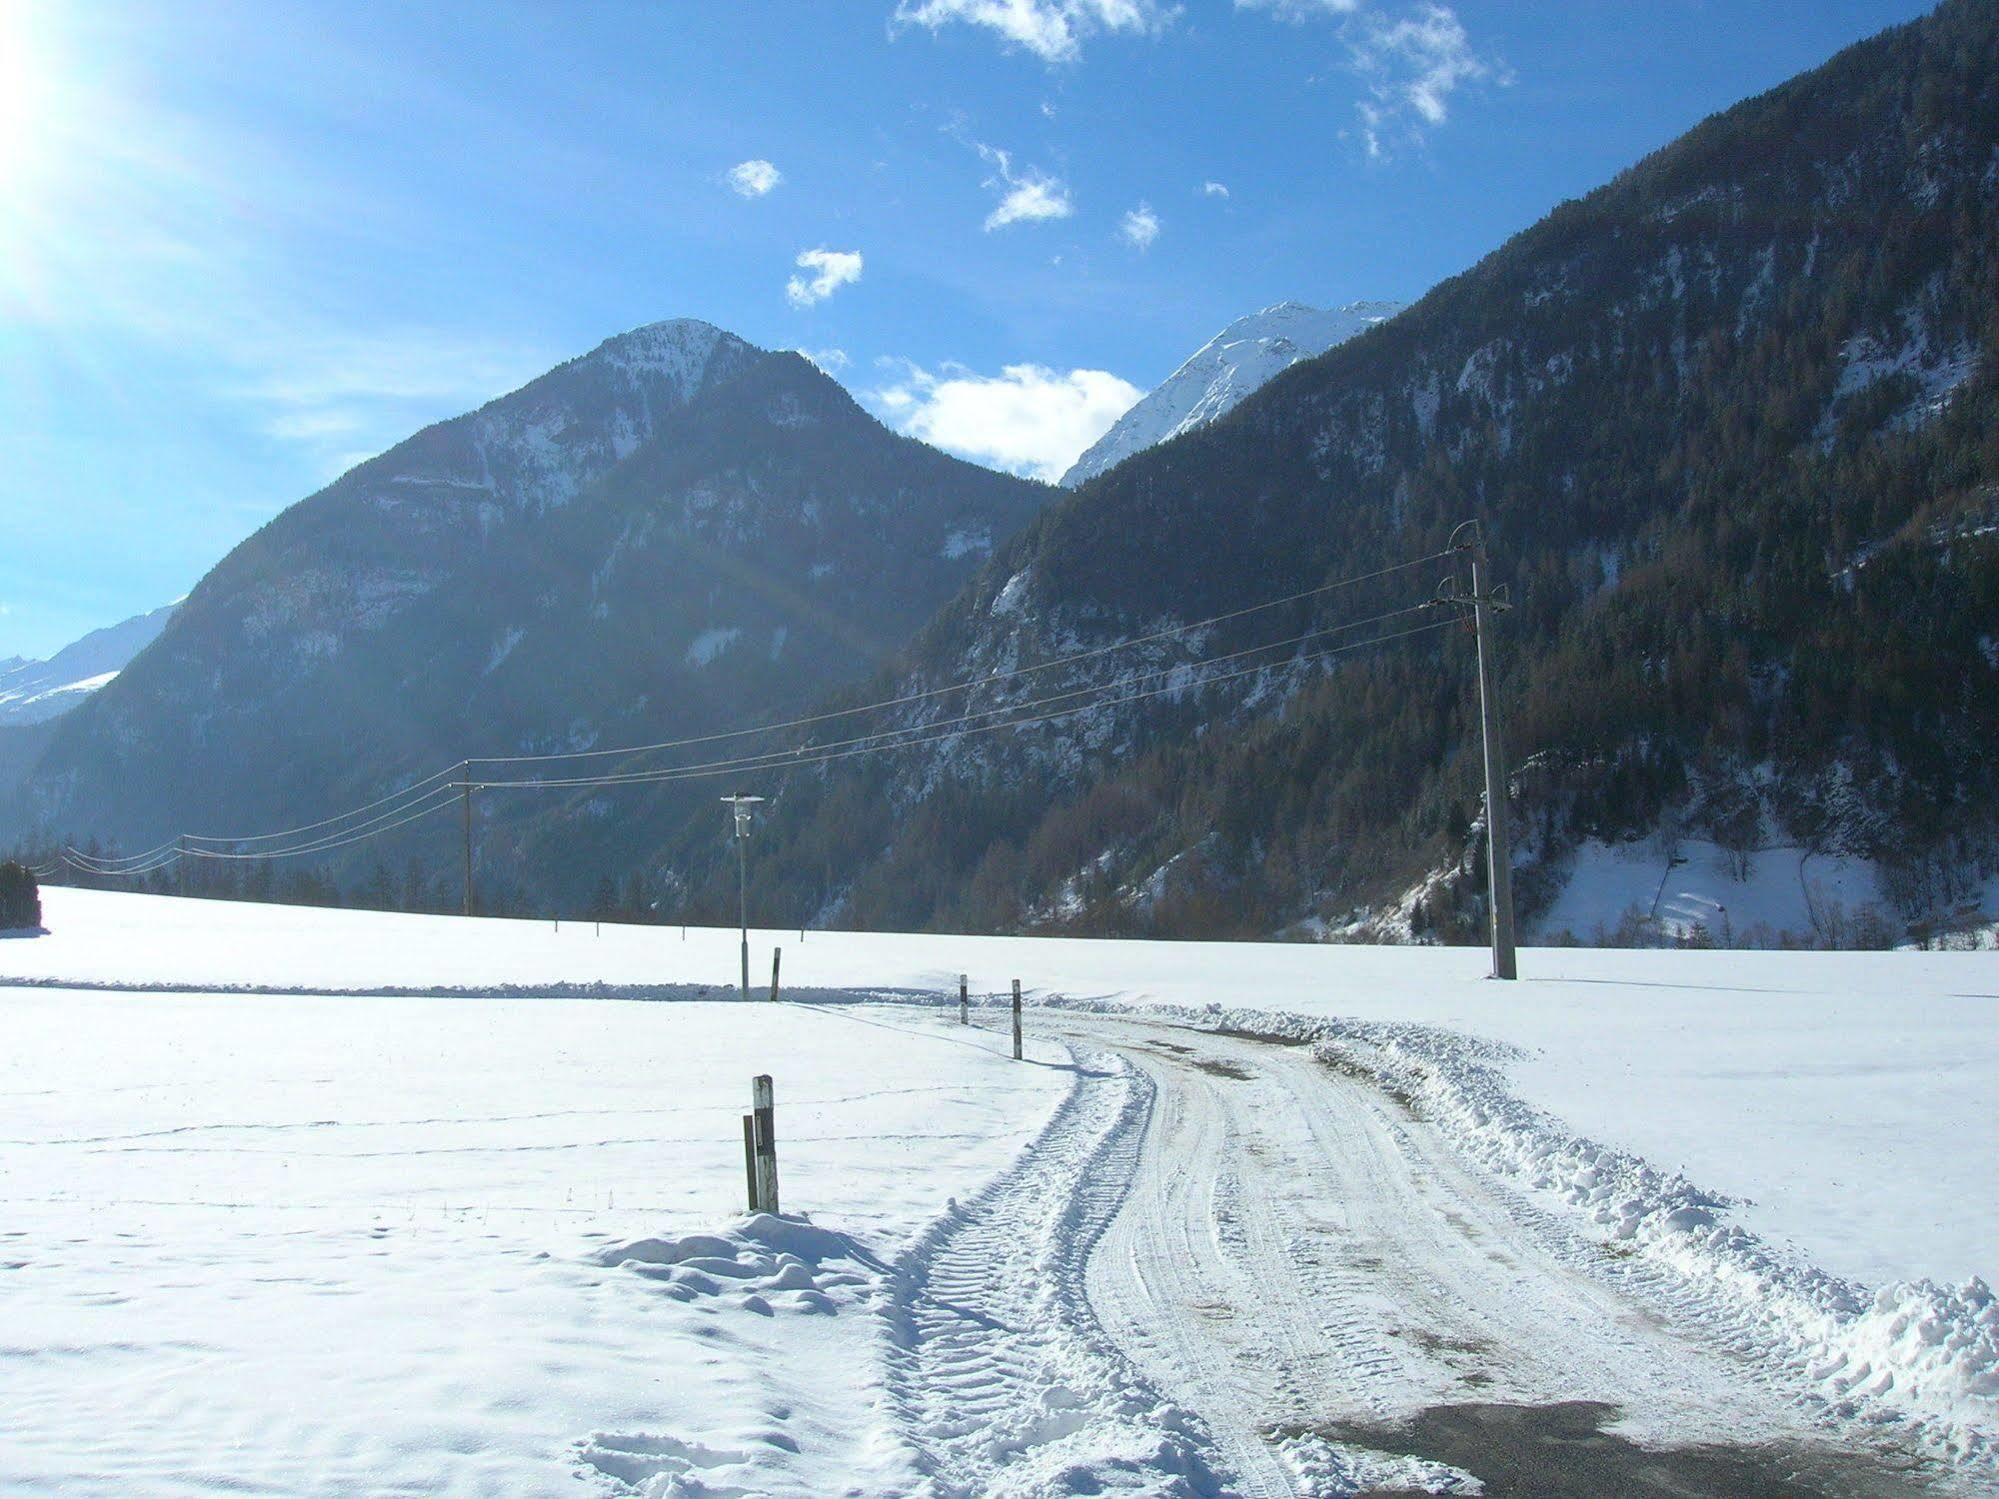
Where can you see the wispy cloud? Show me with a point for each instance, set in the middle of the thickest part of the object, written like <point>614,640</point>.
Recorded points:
<point>1214,189</point>
<point>1412,62</point>
<point>754,178</point>
<point>1027,196</point>
<point>1053,30</point>
<point>1028,419</point>
<point>1139,227</point>
<point>832,361</point>
<point>345,396</point>
<point>831,270</point>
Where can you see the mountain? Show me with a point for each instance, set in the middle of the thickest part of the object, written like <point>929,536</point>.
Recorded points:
<point>1731,426</point>
<point>674,533</point>
<point>36,691</point>
<point>1236,362</point>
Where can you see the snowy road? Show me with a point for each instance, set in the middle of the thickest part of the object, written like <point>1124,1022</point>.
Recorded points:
<point>1244,1250</point>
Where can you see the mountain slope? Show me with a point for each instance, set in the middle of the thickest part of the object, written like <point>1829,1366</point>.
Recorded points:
<point>1730,424</point>
<point>36,691</point>
<point>674,533</point>
<point>1224,371</point>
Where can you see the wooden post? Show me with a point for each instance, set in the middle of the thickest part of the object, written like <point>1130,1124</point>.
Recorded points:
<point>750,1159</point>
<point>964,1000</point>
<point>1016,1020</point>
<point>762,1096</point>
<point>776,954</point>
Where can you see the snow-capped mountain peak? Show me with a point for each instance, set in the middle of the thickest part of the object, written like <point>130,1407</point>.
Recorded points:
<point>1223,371</point>
<point>36,691</point>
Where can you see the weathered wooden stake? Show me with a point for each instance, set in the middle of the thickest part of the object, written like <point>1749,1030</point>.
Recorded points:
<point>1016,1020</point>
<point>750,1158</point>
<point>762,1095</point>
<point>964,1000</point>
<point>776,954</point>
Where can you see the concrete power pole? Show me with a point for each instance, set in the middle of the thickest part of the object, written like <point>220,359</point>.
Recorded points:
<point>1498,850</point>
<point>740,805</point>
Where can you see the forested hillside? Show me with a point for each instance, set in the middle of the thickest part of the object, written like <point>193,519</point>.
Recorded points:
<point>1731,423</point>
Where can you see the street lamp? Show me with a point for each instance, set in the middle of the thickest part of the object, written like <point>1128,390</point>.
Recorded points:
<point>741,806</point>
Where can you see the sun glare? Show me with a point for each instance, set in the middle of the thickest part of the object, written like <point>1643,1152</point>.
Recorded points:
<point>27,97</point>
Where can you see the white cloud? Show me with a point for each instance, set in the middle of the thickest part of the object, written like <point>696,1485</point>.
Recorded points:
<point>754,178</point>
<point>1053,30</point>
<point>1419,60</point>
<point>1028,419</point>
<point>1214,189</point>
<point>1411,63</point>
<point>831,270</point>
<point>1029,195</point>
<point>1140,227</point>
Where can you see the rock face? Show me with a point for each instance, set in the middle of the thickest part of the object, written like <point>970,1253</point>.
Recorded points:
<point>1234,364</point>
<point>34,692</point>
<point>674,533</point>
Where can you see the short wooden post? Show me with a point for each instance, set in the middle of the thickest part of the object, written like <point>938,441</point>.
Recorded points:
<point>750,1159</point>
<point>964,1000</point>
<point>776,954</point>
<point>763,1097</point>
<point>1016,1020</point>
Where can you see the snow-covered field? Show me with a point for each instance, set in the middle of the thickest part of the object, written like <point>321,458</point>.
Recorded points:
<point>341,1246</point>
<point>317,1237</point>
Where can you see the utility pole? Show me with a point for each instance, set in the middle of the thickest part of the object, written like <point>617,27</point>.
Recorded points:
<point>741,805</point>
<point>1498,851</point>
<point>465,805</point>
<point>180,865</point>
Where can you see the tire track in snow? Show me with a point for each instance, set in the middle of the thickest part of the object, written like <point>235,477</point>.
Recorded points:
<point>1000,1377</point>
<point>1295,1249</point>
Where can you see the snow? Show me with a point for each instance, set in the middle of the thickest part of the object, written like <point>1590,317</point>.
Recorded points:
<point>1223,372</point>
<point>1792,1148</point>
<point>711,642</point>
<point>35,691</point>
<point>321,1246</point>
<point>1607,881</point>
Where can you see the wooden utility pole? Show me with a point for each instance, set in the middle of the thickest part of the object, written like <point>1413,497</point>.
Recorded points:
<point>776,954</point>
<point>1498,850</point>
<point>964,999</point>
<point>180,865</point>
<point>1016,1020</point>
<point>465,807</point>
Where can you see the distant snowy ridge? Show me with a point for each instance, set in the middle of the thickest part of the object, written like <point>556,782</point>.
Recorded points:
<point>36,691</point>
<point>1229,367</point>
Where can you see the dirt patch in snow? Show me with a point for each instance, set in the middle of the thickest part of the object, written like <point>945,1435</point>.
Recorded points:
<point>1563,1451</point>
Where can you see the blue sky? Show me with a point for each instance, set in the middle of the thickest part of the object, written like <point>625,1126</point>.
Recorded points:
<point>244,245</point>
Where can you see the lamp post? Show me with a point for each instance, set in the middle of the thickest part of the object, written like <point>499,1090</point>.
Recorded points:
<point>741,806</point>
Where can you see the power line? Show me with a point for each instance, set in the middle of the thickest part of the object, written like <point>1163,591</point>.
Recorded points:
<point>773,759</point>
<point>981,681</point>
<point>789,761</point>
<point>847,750</point>
<point>328,821</point>
<point>414,793</point>
<point>406,805</point>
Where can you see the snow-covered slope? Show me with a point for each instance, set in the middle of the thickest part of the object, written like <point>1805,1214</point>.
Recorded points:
<point>1238,360</point>
<point>36,691</point>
